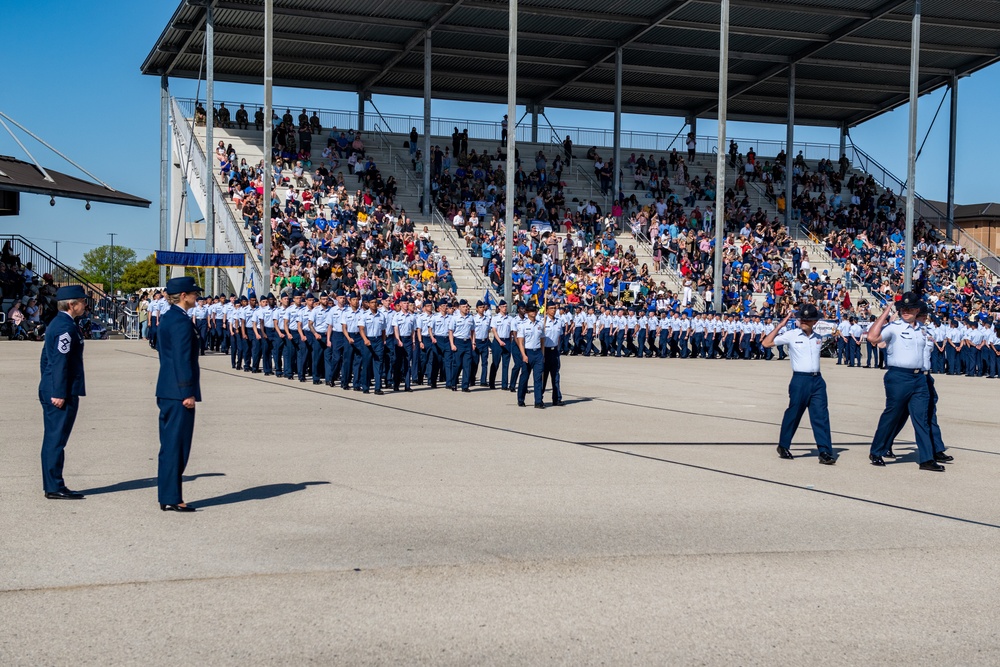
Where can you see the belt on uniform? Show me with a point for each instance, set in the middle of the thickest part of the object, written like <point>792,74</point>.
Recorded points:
<point>816,374</point>
<point>908,371</point>
<point>482,340</point>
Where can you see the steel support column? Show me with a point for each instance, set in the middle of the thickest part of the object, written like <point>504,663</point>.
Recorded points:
<point>952,141</point>
<point>843,139</point>
<point>534,123</point>
<point>265,263</point>
<point>616,171</point>
<point>362,97</point>
<point>720,159</point>
<point>165,143</point>
<point>210,142</point>
<point>789,147</point>
<point>508,218</point>
<point>911,162</point>
<point>428,158</point>
<point>692,122</point>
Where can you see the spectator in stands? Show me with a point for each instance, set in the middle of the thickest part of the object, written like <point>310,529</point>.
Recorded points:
<point>242,118</point>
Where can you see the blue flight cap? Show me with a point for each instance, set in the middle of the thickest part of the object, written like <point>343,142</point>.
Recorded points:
<point>503,302</point>
<point>463,302</point>
<point>181,285</point>
<point>69,292</point>
<point>480,303</point>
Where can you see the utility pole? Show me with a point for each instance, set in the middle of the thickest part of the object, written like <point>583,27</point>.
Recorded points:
<point>111,290</point>
<point>57,250</point>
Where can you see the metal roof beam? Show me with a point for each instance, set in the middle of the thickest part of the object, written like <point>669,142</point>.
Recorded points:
<point>316,15</point>
<point>885,67</point>
<point>809,51</point>
<point>671,8</point>
<point>187,42</point>
<point>321,40</point>
<point>558,12</point>
<point>710,52</point>
<point>818,9</point>
<point>522,35</point>
<point>743,30</point>
<point>942,22</point>
<point>417,38</point>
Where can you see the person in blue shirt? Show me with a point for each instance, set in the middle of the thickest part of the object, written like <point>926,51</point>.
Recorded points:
<point>60,388</point>
<point>178,388</point>
<point>807,388</point>
<point>530,340</point>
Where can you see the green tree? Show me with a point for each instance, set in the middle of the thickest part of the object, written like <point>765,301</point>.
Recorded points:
<point>140,275</point>
<point>97,264</point>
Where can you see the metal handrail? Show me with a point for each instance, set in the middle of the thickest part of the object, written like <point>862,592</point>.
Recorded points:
<point>481,280</point>
<point>394,155</point>
<point>184,133</point>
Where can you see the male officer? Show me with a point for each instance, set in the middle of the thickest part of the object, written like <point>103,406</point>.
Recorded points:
<point>293,316</point>
<point>530,334</point>
<point>404,327</point>
<point>481,358</point>
<point>424,353</point>
<point>279,318</point>
<point>461,342</point>
<point>305,336</point>
<point>334,351</point>
<point>266,326</point>
<point>372,325</point>
<point>178,388</point>
<point>590,326</point>
<point>516,357</point>
<point>550,355</point>
<point>61,386</point>
<point>807,388</point>
<point>441,354</point>
<point>843,334</point>
<point>954,348</point>
<point>318,325</point>
<point>153,311</point>
<point>500,325</point>
<point>854,343</point>
<point>350,368</point>
<point>199,315</point>
<point>906,386</point>
<point>256,334</point>
<point>228,308</point>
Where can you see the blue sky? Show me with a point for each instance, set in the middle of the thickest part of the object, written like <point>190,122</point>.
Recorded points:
<point>72,76</point>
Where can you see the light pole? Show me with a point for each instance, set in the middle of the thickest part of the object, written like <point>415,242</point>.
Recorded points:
<point>57,250</point>
<point>111,290</point>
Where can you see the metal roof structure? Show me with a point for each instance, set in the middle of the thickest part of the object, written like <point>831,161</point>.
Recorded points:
<point>851,57</point>
<point>20,176</point>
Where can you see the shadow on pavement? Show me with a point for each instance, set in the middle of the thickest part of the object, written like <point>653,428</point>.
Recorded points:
<point>144,483</point>
<point>264,492</point>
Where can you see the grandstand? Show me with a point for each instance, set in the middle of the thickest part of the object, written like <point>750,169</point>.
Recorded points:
<point>820,46</point>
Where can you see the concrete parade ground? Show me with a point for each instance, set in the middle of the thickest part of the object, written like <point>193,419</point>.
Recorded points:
<point>648,521</point>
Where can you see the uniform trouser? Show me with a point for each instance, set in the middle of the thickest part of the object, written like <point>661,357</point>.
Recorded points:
<point>245,351</point>
<point>151,333</point>
<point>841,349</point>
<point>501,360</point>
<point>640,343</point>
<point>698,343</point>
<point>481,361</point>
<point>256,350</point>
<point>952,355</point>
<point>781,353</point>
<point>58,424</point>
<point>334,355</point>
<point>807,390</point>
<point>629,341</point>
<point>515,356</point>
<point>202,327</point>
<point>905,391</point>
<point>346,362</point>
<point>441,362</point>
<point>729,344</point>
<point>304,354</point>
<point>619,343</point>
<point>267,345</point>
<point>290,354</point>
<point>359,379</point>
<point>852,352</point>
<point>986,358</point>
<point>588,343</point>
<point>550,370</point>
<point>224,340</point>
<point>234,348</point>
<point>565,342</point>
<point>664,345</point>
<point>318,357</point>
<point>534,367</point>
<point>602,338</point>
<point>272,362</point>
<point>176,431</point>
<point>872,357</point>
<point>372,362</point>
<point>685,349</point>
<point>937,360</point>
<point>745,346</point>
<point>214,338</point>
<point>935,430</point>
<point>461,362</point>
<point>578,340</point>
<point>403,366</point>
<point>971,361</point>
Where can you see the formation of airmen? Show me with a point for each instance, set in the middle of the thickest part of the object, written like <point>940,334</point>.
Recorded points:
<point>265,336</point>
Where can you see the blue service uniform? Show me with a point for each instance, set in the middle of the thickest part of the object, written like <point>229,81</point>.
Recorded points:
<point>333,354</point>
<point>807,389</point>
<point>199,314</point>
<point>462,329</point>
<point>62,377</point>
<point>501,326</point>
<point>906,389</point>
<point>375,325</point>
<point>551,364</point>
<point>532,335</point>
<point>481,356</point>
<point>518,362</point>
<point>404,369</point>
<point>179,379</point>
<point>442,358</point>
<point>353,354</point>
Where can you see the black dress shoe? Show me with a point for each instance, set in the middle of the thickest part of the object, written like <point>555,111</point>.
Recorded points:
<point>379,392</point>
<point>453,388</point>
<point>889,454</point>
<point>932,466</point>
<point>64,494</point>
<point>556,403</point>
<point>466,391</point>
<point>826,459</point>
<point>876,460</point>
<point>941,457</point>
<point>540,406</point>
<point>177,508</point>
<point>784,452</point>
<point>268,374</point>
<point>408,390</point>
<point>365,391</point>
<point>521,405</point>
